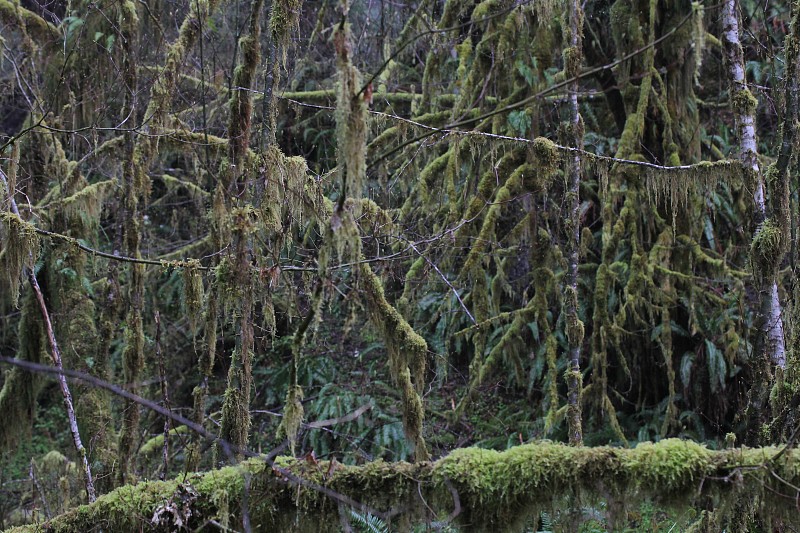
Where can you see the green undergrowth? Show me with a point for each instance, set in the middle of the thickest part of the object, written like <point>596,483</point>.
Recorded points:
<point>479,489</point>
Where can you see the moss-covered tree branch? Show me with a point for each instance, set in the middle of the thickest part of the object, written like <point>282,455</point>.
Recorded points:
<point>479,489</point>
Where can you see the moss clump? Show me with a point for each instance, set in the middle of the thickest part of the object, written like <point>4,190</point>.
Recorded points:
<point>672,464</point>
<point>13,13</point>
<point>545,155</point>
<point>744,103</point>
<point>572,61</point>
<point>767,248</point>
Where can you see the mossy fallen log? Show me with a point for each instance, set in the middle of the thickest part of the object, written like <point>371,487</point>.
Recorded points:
<point>477,489</point>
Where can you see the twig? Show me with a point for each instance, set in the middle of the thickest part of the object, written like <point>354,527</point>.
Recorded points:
<point>444,278</point>
<point>115,257</point>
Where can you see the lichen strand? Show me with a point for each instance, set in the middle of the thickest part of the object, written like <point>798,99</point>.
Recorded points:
<point>407,356</point>
<point>679,185</point>
<point>85,203</point>
<point>288,196</point>
<point>495,491</point>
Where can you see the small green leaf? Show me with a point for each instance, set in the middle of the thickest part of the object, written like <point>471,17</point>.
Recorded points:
<point>526,72</point>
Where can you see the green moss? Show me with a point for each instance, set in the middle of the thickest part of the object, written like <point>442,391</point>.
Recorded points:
<point>432,170</point>
<point>572,61</point>
<point>672,464</point>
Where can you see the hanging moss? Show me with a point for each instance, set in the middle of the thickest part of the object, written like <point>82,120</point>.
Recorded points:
<point>351,118</point>
<point>235,425</point>
<point>519,179</point>
<point>481,368</point>
<point>133,362</point>
<point>292,416</point>
<point>284,19</point>
<point>192,291</point>
<point>20,250</point>
<point>87,202</point>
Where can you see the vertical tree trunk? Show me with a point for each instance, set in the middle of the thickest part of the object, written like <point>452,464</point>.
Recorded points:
<point>769,324</point>
<point>133,355</point>
<point>236,410</point>
<point>572,62</point>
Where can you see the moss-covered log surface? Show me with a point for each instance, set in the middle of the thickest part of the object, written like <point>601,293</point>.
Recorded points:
<point>476,489</point>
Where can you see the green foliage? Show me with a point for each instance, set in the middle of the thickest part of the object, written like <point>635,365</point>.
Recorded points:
<point>366,523</point>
